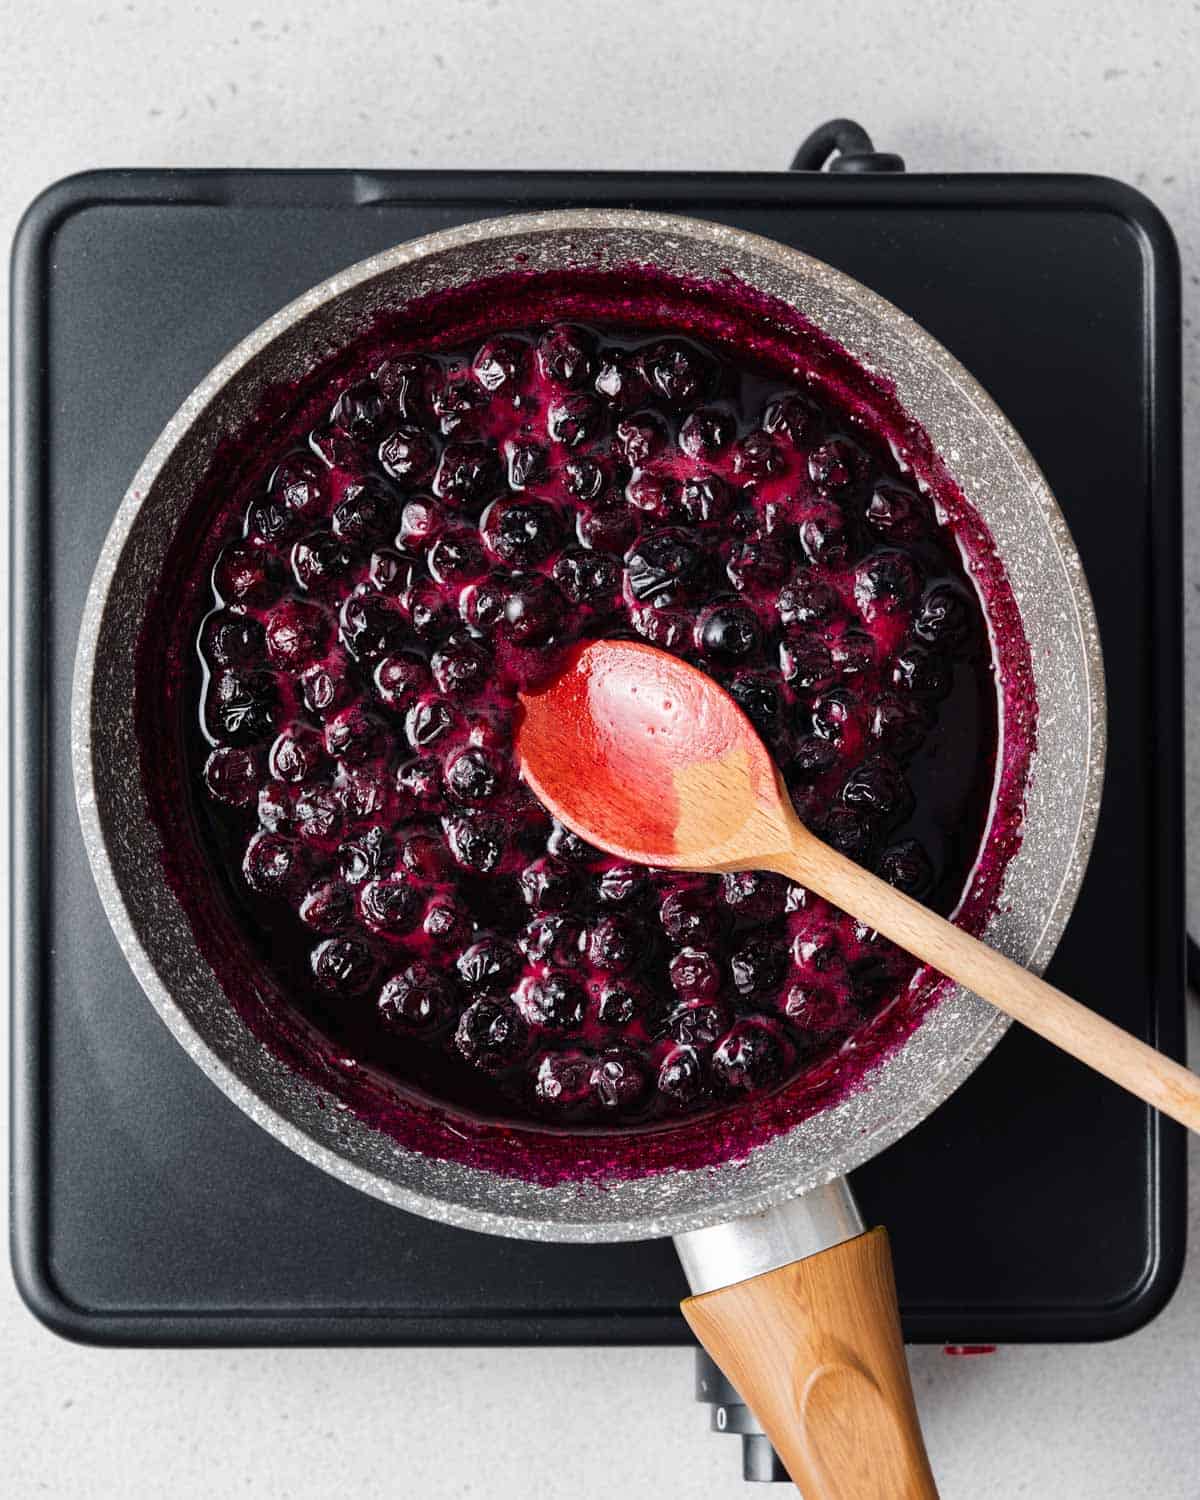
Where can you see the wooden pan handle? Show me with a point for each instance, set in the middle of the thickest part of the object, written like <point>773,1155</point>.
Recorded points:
<point>814,1349</point>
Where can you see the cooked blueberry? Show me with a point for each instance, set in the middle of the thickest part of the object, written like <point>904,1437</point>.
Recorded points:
<point>588,577</point>
<point>814,755</point>
<point>699,1023</point>
<point>246,574</point>
<point>473,775</point>
<point>832,712</point>
<point>620,884</point>
<point>400,678</point>
<point>489,966</point>
<point>671,630</point>
<point>429,611</point>
<point>666,567</point>
<point>853,652</point>
<point>344,966</point>
<point>457,403</point>
<point>553,938</point>
<point>618,1081</point>
<point>730,632</point>
<point>296,755</point>
<point>751,1056</point>
<point>556,1002</point>
<point>615,944</point>
<point>562,1080</point>
<point>327,908</point>
<point>481,605</point>
<point>422,521</point>
<point>899,723</point>
<point>686,916</point>
<point>565,844</point>
<point>477,843</point>
<point>232,640</point>
<point>757,456</point>
<point>791,417</point>
<point>533,611</point>
<point>677,371</point>
<point>417,1000</point>
<point>353,734</point>
<point>404,384</point>
<point>522,532</point>
<point>641,438</point>
<point>447,922</point>
<point>566,355</point>
<point>389,906</point>
<point>296,632</point>
<point>835,467</point>
<point>806,663</point>
<point>825,538</point>
<point>608,528</point>
<point>654,494</point>
<point>850,831</point>
<point>547,884</point>
<point>242,707</point>
<point>758,698</point>
<point>806,601</point>
<point>232,775</point>
<point>325,688</point>
<point>695,974</point>
<point>491,1034</point>
<point>299,484</point>
<point>920,670</point>
<point>753,895</point>
<point>620,380</point>
<point>681,1078</point>
<point>574,420</point>
<point>320,561</point>
<point>878,786</point>
<point>500,362</point>
<point>906,866</point>
<point>457,556</point>
<point>420,779</point>
<point>318,812</point>
<point>372,625</point>
<point>365,857</point>
<point>408,454</point>
<point>705,433</point>
<point>704,497</point>
<point>527,461</point>
<point>359,410</point>
<point>468,474</point>
<point>899,514</point>
<point>427,721</point>
<point>461,668</point>
<point>390,572</point>
<point>758,965</point>
<point>583,478</point>
<point>760,562</point>
<point>272,865</point>
<point>622,1003</point>
<point>944,616</point>
<point>884,583</point>
<point>269,519</point>
<point>368,512</point>
<point>277,807</point>
<point>363,791</point>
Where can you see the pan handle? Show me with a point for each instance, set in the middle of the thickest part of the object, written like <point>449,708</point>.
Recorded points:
<point>808,1331</point>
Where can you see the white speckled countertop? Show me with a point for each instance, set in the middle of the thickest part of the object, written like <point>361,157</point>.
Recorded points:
<point>1076,85</point>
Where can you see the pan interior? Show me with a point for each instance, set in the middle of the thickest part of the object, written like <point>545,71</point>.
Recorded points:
<point>994,472</point>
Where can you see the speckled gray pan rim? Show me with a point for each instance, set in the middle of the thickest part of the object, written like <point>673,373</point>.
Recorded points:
<point>998,476</point>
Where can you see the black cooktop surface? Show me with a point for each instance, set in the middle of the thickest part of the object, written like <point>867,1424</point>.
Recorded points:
<point>1039,1202</point>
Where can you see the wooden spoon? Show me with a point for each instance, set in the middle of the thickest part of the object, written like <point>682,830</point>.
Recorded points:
<point>651,760</point>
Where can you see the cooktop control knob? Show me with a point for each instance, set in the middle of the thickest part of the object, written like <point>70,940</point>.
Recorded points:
<point>731,1414</point>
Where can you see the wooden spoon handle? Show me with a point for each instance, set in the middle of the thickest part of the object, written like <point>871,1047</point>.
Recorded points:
<point>814,1349</point>
<point>1073,1027</point>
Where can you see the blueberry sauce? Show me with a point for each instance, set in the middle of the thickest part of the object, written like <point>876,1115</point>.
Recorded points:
<point>423,527</point>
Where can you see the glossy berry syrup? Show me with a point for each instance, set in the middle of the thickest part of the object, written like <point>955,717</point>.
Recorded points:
<point>419,531</point>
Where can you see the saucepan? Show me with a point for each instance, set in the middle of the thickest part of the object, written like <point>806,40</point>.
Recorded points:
<point>792,1297</point>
